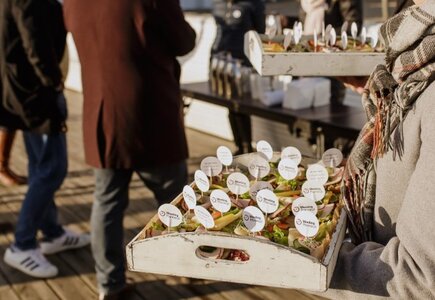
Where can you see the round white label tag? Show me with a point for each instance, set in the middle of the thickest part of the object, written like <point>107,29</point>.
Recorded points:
<point>304,204</point>
<point>204,217</point>
<point>238,183</point>
<point>292,153</point>
<point>313,191</point>
<point>201,181</point>
<point>307,224</point>
<point>317,173</point>
<point>259,167</point>
<point>332,158</point>
<point>253,219</point>
<point>220,201</point>
<point>170,215</point>
<point>288,169</point>
<point>266,148</point>
<point>267,201</point>
<point>224,155</point>
<point>189,197</point>
<point>258,186</point>
<point>211,166</point>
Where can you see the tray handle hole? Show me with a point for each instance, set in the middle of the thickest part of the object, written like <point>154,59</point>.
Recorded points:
<point>222,254</point>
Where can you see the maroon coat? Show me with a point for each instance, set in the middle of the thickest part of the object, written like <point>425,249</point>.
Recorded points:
<point>132,116</point>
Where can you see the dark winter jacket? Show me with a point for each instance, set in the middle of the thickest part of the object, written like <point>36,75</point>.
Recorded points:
<point>233,19</point>
<point>32,43</point>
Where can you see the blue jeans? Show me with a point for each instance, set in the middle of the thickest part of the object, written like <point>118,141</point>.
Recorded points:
<point>111,200</point>
<point>48,163</point>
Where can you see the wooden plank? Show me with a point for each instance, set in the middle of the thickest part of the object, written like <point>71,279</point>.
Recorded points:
<point>273,293</point>
<point>6,291</point>
<point>148,287</point>
<point>23,285</point>
<point>67,282</point>
<point>81,260</point>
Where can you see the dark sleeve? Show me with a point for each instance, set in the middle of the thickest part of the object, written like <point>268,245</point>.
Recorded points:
<point>38,44</point>
<point>352,11</point>
<point>179,35</point>
<point>259,16</point>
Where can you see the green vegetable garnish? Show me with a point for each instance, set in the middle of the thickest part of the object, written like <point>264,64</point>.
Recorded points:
<point>298,246</point>
<point>157,226</point>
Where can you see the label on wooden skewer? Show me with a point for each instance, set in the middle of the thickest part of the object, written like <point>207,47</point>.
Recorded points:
<point>328,34</point>
<point>271,32</point>
<point>333,39</point>
<point>332,157</point>
<point>204,217</point>
<point>304,204</point>
<point>259,167</point>
<point>201,181</point>
<point>224,155</point>
<point>267,201</point>
<point>211,166</point>
<point>288,40</point>
<point>323,31</point>
<point>258,186</point>
<point>238,183</point>
<point>363,36</point>
<point>288,169</point>
<point>189,197</point>
<point>266,148</point>
<point>344,40</point>
<point>307,224</point>
<point>374,41</point>
<point>253,219</point>
<point>220,201</point>
<point>292,153</point>
<point>170,215</point>
<point>354,30</point>
<point>317,173</point>
<point>345,26</point>
<point>313,191</point>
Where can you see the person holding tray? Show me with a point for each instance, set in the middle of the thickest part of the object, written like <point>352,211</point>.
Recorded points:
<point>388,185</point>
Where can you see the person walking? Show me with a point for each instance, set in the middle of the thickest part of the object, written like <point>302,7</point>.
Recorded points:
<point>133,112</point>
<point>233,19</point>
<point>32,39</point>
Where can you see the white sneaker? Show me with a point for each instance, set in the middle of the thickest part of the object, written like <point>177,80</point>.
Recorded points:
<point>31,262</point>
<point>69,240</point>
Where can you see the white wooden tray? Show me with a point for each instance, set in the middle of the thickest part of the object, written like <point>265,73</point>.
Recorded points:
<point>310,63</point>
<point>270,264</point>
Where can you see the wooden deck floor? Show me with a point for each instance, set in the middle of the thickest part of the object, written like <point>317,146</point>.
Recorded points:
<point>76,279</point>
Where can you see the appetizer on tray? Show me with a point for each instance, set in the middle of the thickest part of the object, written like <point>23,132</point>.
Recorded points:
<point>286,192</point>
<point>326,54</point>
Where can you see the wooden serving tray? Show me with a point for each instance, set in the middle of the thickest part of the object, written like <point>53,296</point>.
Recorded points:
<point>270,264</point>
<point>309,63</point>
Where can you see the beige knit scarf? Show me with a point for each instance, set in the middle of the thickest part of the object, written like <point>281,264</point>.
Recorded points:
<point>390,92</point>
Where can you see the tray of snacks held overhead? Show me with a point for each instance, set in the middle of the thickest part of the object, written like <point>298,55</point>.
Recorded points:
<point>261,218</point>
<point>326,54</point>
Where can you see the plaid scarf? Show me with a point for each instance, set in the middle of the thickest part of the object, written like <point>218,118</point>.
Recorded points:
<point>389,94</point>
